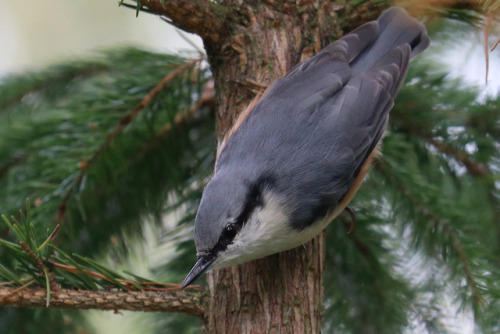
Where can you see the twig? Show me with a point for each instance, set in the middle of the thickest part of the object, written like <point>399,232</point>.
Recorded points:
<point>188,302</point>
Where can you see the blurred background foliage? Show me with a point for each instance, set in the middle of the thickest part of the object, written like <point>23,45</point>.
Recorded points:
<point>424,253</point>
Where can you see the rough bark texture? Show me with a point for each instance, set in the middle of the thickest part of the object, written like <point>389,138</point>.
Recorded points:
<point>189,302</point>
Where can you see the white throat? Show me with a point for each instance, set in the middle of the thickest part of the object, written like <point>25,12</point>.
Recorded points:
<point>266,232</point>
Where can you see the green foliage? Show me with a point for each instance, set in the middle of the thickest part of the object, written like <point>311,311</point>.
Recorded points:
<point>33,259</point>
<point>48,138</point>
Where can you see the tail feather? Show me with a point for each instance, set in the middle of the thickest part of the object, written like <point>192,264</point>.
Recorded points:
<point>396,28</point>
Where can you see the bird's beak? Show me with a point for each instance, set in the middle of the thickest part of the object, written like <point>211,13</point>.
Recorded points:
<point>199,268</point>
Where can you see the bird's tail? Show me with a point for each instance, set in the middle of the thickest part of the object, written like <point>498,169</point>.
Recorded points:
<point>395,28</point>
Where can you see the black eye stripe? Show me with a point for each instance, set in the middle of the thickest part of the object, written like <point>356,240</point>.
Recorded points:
<point>253,200</point>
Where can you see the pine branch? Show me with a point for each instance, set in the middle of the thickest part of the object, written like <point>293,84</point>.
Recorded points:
<point>43,259</point>
<point>181,301</point>
<point>474,168</point>
<point>91,107</point>
<point>124,121</point>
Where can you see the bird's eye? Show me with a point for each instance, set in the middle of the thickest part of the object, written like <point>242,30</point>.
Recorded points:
<point>230,231</point>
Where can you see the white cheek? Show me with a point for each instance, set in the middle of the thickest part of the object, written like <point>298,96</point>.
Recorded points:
<point>266,224</point>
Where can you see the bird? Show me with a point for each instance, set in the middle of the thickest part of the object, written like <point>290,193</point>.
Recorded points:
<point>295,160</point>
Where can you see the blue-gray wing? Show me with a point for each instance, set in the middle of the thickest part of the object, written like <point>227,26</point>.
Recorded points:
<point>314,128</point>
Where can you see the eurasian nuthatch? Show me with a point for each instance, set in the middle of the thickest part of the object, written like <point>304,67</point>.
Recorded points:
<point>294,161</point>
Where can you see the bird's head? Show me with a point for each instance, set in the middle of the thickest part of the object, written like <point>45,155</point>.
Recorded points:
<point>237,221</point>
